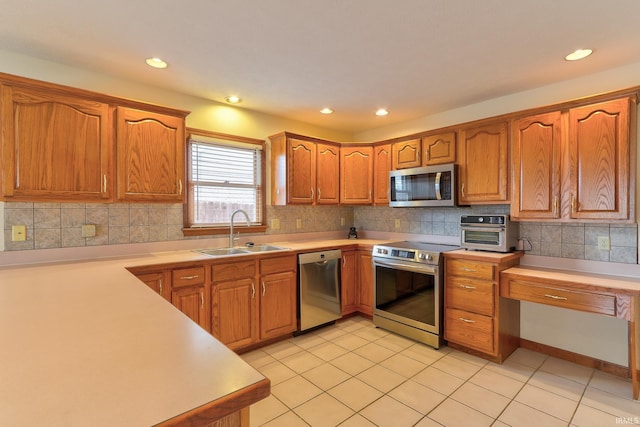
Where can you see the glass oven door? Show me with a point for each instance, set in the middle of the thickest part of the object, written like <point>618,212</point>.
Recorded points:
<point>409,294</point>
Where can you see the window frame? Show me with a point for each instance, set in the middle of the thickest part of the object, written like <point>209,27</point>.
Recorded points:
<point>188,228</point>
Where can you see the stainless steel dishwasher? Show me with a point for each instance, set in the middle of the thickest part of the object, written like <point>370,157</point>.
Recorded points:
<point>319,288</point>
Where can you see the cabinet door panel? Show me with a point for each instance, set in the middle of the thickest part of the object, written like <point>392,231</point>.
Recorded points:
<point>234,305</point>
<point>537,144</point>
<point>328,175</point>
<point>406,154</point>
<point>191,301</point>
<point>439,149</point>
<point>150,149</point>
<point>365,283</point>
<point>600,160</point>
<point>381,168</point>
<point>278,305</point>
<point>483,164</point>
<point>55,146</point>
<point>356,168</point>
<point>348,282</point>
<point>301,171</point>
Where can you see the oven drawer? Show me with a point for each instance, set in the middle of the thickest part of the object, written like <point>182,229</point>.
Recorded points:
<point>469,329</point>
<point>476,296</point>
<point>565,298</point>
<point>468,268</point>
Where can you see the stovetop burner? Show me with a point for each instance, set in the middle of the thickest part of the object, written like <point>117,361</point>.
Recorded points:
<point>420,252</point>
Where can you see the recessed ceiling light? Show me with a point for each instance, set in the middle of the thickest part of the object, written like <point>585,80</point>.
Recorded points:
<point>326,110</point>
<point>233,99</point>
<point>578,54</point>
<point>156,63</point>
<point>382,112</point>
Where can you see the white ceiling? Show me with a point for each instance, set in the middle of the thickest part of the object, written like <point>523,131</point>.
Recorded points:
<point>292,57</point>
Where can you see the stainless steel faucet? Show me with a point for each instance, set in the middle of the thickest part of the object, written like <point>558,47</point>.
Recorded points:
<point>231,239</point>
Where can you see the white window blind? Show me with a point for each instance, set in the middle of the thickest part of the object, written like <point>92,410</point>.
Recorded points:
<point>224,177</point>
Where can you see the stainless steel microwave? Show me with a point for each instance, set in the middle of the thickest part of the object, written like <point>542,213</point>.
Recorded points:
<point>423,186</point>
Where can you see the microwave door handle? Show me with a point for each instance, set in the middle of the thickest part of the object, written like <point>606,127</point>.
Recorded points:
<point>438,193</point>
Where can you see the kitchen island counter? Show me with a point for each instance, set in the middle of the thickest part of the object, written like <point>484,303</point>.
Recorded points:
<point>86,343</point>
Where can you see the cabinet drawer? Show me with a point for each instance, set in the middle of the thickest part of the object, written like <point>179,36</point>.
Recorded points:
<point>233,270</point>
<point>469,329</point>
<point>275,265</point>
<point>476,296</point>
<point>565,298</point>
<point>187,276</point>
<point>467,268</point>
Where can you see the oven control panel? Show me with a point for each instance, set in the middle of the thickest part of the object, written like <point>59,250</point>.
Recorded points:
<point>405,254</point>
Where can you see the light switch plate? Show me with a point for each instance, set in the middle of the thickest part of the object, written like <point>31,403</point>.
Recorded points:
<point>604,244</point>
<point>18,233</point>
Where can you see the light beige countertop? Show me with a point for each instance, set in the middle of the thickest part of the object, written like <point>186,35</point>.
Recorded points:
<point>86,343</point>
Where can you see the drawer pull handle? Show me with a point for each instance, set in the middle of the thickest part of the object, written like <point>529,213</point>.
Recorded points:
<point>556,297</point>
<point>471,270</point>
<point>160,283</point>
<point>189,277</point>
<point>467,287</point>
<point>467,320</point>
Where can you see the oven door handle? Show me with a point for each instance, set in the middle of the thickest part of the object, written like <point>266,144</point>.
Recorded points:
<point>421,269</point>
<point>474,228</point>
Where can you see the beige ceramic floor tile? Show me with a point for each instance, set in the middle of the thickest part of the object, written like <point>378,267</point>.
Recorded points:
<point>610,403</point>
<point>511,369</point>
<point>357,420</point>
<point>330,333</point>
<point>475,360</point>
<point>387,411</point>
<point>568,370</point>
<point>547,402</point>
<point>423,353</point>
<point>370,334</point>
<point>480,399</point>
<point>527,357</point>
<point>266,410</point>
<point>501,384</point>
<point>352,363</point>
<point>276,372</point>
<point>350,341</point>
<point>374,352</point>
<point>288,419</point>
<point>282,349</point>
<point>428,422</point>
<point>454,414</point>
<point>326,376</point>
<point>394,342</point>
<point>355,394</point>
<point>557,385</point>
<point>295,391</point>
<point>381,378</point>
<point>417,396</point>
<point>323,411</point>
<point>456,367</point>
<point>612,384</point>
<point>257,358</point>
<point>438,380</point>
<point>587,416</point>
<point>307,340</point>
<point>302,361</point>
<point>327,351</point>
<point>403,365</point>
<point>518,414</point>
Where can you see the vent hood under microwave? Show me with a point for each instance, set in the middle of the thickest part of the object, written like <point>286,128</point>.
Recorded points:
<point>423,186</point>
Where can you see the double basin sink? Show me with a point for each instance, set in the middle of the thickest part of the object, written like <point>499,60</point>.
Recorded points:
<point>238,251</point>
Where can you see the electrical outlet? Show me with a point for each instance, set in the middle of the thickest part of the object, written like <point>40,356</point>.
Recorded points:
<point>604,244</point>
<point>397,223</point>
<point>342,221</point>
<point>88,230</point>
<point>275,224</point>
<point>18,233</point>
<point>298,223</point>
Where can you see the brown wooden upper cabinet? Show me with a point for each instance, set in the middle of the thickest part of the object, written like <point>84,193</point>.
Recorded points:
<point>381,168</point>
<point>304,170</point>
<point>429,150</point>
<point>356,170</point>
<point>150,151</point>
<point>56,146</point>
<point>575,164</point>
<point>483,164</point>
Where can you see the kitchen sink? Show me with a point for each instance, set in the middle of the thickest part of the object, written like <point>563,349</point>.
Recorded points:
<point>222,251</point>
<point>263,248</point>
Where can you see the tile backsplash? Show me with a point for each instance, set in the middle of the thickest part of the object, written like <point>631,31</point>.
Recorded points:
<point>59,225</point>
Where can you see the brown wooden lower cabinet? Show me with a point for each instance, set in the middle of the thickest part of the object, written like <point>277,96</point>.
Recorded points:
<point>364,296</point>
<point>348,272</point>
<point>476,318</point>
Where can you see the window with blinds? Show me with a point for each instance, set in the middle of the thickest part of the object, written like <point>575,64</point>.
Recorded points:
<point>224,176</point>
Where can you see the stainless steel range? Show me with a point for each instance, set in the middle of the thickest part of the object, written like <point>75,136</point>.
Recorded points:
<point>408,289</point>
